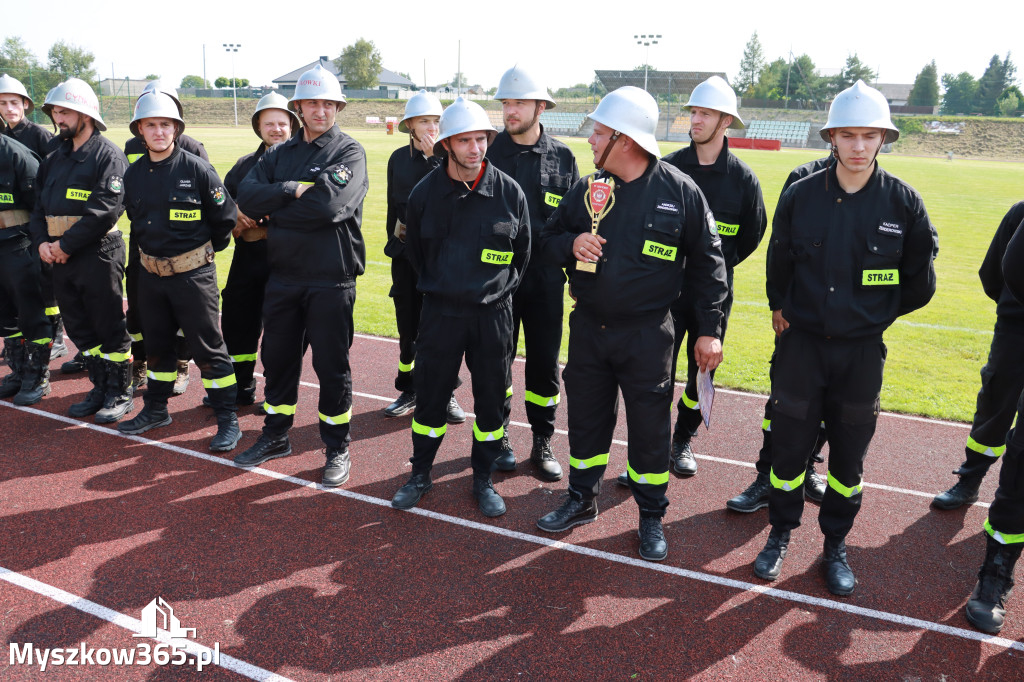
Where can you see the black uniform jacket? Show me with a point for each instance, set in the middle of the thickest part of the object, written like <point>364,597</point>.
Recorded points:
<point>314,240</point>
<point>177,205</point>
<point>87,183</point>
<point>1013,265</point>
<point>545,172</point>
<point>734,195</point>
<point>34,136</point>
<point>241,168</point>
<point>135,148</point>
<point>847,265</point>
<point>18,168</point>
<point>406,167</point>
<point>658,222</point>
<point>1009,310</point>
<point>469,247</point>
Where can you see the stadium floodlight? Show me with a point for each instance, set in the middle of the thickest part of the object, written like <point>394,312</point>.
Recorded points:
<point>232,48</point>
<point>646,41</point>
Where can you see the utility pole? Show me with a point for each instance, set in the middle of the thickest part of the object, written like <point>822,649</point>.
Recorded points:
<point>233,48</point>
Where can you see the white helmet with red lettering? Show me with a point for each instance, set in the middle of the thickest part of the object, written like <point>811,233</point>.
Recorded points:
<point>10,84</point>
<point>463,116</point>
<point>860,106</point>
<point>75,94</point>
<point>634,113</point>
<point>317,83</point>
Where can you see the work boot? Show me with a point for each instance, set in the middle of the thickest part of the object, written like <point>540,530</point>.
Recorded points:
<point>456,415</point>
<point>97,394</point>
<point>14,351</point>
<point>543,460</point>
<point>814,486</point>
<point>181,380</point>
<point>506,461</point>
<point>408,496</point>
<point>35,374</point>
<point>403,405</point>
<point>754,497</point>
<point>964,492</point>
<point>653,545</point>
<point>838,574</point>
<point>74,365</point>
<point>266,448</point>
<point>151,416</point>
<point>575,511</point>
<point>683,461</point>
<point>228,433</point>
<point>118,399</point>
<point>768,564</point>
<point>139,373</point>
<point>59,349</point>
<point>487,497</point>
<point>337,467</point>
<point>986,609</point>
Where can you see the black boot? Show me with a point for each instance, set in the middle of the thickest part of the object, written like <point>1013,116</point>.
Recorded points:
<point>152,416</point>
<point>228,433</point>
<point>838,574</point>
<point>59,348</point>
<point>964,492</point>
<point>94,398</point>
<point>337,468</point>
<point>14,351</point>
<point>653,545</point>
<point>264,449</point>
<point>814,486</point>
<point>506,461</point>
<point>753,498</point>
<point>35,375</point>
<point>487,497</point>
<point>986,609</point>
<point>543,460</point>
<point>75,365</point>
<point>117,401</point>
<point>409,494</point>
<point>574,511</point>
<point>683,461</point>
<point>403,405</point>
<point>768,564</point>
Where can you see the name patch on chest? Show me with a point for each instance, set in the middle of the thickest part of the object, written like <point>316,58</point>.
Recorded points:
<point>185,183</point>
<point>668,207</point>
<point>78,194</point>
<point>890,228</point>
<point>6,198</point>
<point>662,251</point>
<point>877,278</point>
<point>188,216</point>
<point>496,257</point>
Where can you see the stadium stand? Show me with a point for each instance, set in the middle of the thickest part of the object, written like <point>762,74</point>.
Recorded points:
<point>496,119</point>
<point>562,122</point>
<point>789,133</point>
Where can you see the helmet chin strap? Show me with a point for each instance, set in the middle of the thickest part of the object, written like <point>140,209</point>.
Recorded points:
<point>607,150</point>
<point>835,149</point>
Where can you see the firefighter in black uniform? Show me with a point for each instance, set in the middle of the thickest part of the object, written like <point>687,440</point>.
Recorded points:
<point>242,297</point>
<point>1004,527</point>
<point>852,249</point>
<point>1002,377</point>
<point>312,188</point>
<point>23,322</point>
<point>756,494</point>
<point>74,226</point>
<point>134,149</point>
<point>406,167</point>
<point>648,220</point>
<point>15,108</point>
<point>468,237</point>
<point>180,215</point>
<point>545,169</point>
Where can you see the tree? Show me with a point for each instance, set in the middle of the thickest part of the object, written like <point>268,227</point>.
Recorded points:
<point>71,61</point>
<point>153,77</point>
<point>751,66</point>
<point>360,64</point>
<point>990,86</point>
<point>961,92</point>
<point>225,82</point>
<point>15,57</point>
<point>925,92</point>
<point>191,81</point>
<point>642,67</point>
<point>1007,105</point>
<point>771,82</point>
<point>854,70</point>
<point>459,80</point>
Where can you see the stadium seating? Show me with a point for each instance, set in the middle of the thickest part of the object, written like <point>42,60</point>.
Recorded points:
<point>789,133</point>
<point>562,122</point>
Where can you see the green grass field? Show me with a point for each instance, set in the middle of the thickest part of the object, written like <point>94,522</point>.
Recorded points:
<point>935,354</point>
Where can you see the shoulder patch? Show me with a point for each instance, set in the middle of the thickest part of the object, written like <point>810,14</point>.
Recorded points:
<point>712,225</point>
<point>115,184</point>
<point>340,175</point>
<point>218,195</point>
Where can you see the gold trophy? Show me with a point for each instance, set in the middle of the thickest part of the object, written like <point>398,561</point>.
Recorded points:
<point>599,199</point>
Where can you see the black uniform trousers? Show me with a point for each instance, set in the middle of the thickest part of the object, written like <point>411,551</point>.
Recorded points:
<point>1006,515</point>
<point>604,359</point>
<point>50,307</point>
<point>408,307</point>
<point>21,296</point>
<point>837,381</point>
<point>538,305</point>
<point>483,333</point>
<point>133,317</point>
<point>242,307</point>
<point>90,295</point>
<point>323,315</point>
<point>1002,380</point>
<point>185,301</point>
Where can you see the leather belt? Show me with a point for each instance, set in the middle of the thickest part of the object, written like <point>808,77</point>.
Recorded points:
<point>173,265</point>
<point>254,234</point>
<point>13,218</point>
<point>57,225</point>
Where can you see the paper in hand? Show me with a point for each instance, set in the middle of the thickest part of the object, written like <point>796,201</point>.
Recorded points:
<point>705,396</point>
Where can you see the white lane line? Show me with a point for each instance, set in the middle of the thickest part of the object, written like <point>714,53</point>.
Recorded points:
<point>134,625</point>
<point>610,557</point>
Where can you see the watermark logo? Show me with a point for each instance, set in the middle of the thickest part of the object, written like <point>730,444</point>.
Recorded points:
<point>151,620</point>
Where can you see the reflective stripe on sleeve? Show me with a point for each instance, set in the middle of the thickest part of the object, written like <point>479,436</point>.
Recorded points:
<point>403,367</point>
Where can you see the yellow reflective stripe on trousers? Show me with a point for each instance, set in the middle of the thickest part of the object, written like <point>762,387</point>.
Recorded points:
<point>596,461</point>
<point>288,410</point>
<point>842,489</point>
<point>766,425</point>
<point>1003,538</point>
<point>647,479</point>
<point>114,357</point>
<point>16,335</point>
<point>50,312</point>
<point>91,351</point>
<point>485,436</point>
<point>787,485</point>
<point>403,367</point>
<point>508,392</point>
<point>42,342</point>
<point>691,404</point>
<point>431,431</point>
<point>335,421</point>
<point>162,376</point>
<point>244,357</point>
<point>220,382</point>
<point>987,450</point>
<point>136,337</point>
<point>543,401</point>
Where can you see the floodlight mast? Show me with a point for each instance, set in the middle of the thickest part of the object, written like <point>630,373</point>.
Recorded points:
<point>233,48</point>
<point>646,41</point>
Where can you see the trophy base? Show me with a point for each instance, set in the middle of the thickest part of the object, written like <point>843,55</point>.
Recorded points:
<point>586,267</point>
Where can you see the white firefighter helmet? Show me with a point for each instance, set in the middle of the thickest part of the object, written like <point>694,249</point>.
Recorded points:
<point>463,116</point>
<point>422,103</point>
<point>715,93</point>
<point>158,86</point>
<point>317,83</point>
<point>156,105</point>
<point>860,106</point>
<point>633,112</point>
<point>75,94</point>
<point>273,100</point>
<point>516,83</point>
<point>14,86</point>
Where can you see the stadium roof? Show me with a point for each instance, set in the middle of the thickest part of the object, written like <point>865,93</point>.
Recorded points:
<point>660,82</point>
<point>385,77</point>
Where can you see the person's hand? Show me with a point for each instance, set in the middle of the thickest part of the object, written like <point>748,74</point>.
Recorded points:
<point>779,323</point>
<point>426,144</point>
<point>587,247</point>
<point>44,253</point>
<point>58,253</point>
<point>707,352</point>
<point>301,190</point>
<point>243,223</point>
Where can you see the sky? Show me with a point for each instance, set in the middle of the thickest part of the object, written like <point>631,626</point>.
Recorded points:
<point>561,42</point>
